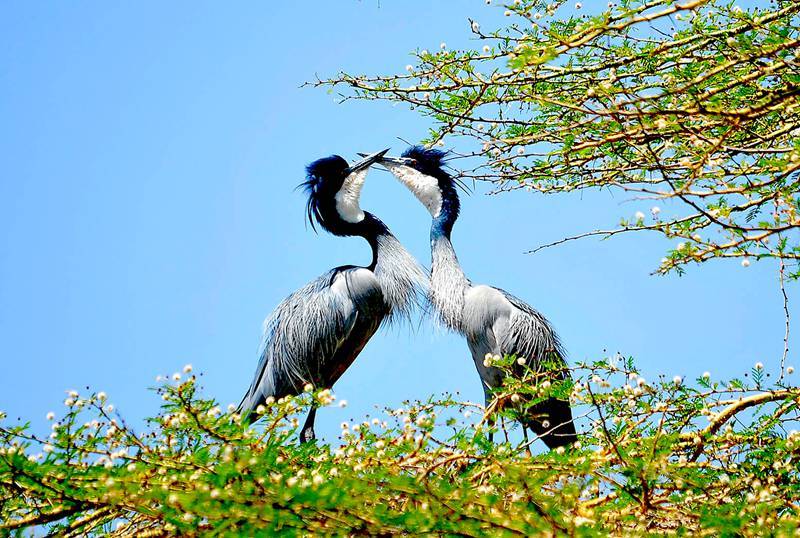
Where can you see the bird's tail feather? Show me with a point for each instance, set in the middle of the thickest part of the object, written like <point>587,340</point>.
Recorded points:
<point>552,421</point>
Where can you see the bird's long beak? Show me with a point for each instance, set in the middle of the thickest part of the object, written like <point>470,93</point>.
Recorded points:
<point>367,161</point>
<point>391,160</point>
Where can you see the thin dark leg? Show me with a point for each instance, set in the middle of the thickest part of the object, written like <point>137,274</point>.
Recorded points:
<point>307,433</point>
<point>492,419</point>
<point>527,442</point>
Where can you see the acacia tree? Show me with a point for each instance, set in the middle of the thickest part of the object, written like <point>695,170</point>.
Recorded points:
<point>693,102</point>
<point>663,456</point>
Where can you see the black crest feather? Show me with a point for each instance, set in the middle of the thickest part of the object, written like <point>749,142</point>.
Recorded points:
<point>321,182</point>
<point>428,158</point>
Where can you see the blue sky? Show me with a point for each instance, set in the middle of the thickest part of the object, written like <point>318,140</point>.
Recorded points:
<point>149,154</point>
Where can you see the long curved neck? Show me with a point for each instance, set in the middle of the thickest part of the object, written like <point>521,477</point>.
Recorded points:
<point>373,230</point>
<point>402,280</point>
<point>448,281</point>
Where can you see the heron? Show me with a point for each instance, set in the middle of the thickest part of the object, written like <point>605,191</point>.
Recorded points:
<point>492,320</point>
<point>316,333</point>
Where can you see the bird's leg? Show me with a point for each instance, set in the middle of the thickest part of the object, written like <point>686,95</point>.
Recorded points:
<point>307,433</point>
<point>491,420</point>
<point>527,442</point>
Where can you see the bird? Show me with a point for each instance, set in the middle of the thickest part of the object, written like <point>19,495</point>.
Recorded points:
<point>316,333</point>
<point>492,320</point>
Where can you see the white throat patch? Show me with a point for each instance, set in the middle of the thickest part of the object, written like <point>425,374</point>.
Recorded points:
<point>347,198</point>
<point>425,188</point>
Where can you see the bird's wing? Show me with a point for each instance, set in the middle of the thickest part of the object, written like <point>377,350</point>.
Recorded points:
<point>527,333</point>
<point>308,330</point>
<point>508,325</point>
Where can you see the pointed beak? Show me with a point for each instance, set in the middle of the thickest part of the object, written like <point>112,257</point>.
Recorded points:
<point>389,159</point>
<point>367,161</point>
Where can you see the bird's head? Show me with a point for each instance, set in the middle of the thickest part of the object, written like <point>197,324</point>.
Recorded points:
<point>334,189</point>
<point>422,171</point>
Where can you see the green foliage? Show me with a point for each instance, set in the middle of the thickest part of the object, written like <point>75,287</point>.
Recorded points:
<point>693,105</point>
<point>653,457</point>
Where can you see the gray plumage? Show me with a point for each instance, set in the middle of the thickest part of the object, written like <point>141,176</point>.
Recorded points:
<point>495,322</point>
<point>316,333</point>
<point>492,320</point>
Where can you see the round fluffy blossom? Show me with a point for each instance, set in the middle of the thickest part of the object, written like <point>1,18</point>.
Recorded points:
<point>706,375</point>
<point>475,26</point>
<point>790,370</point>
<point>51,415</point>
<point>102,396</point>
<point>745,262</point>
<point>759,366</point>
<point>409,67</point>
<point>677,380</point>
<point>639,215</point>
<point>442,45</point>
<point>655,210</point>
<point>343,403</point>
<point>187,368</point>
<point>308,387</point>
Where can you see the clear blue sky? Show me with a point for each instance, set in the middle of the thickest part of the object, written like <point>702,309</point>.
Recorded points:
<point>148,158</point>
